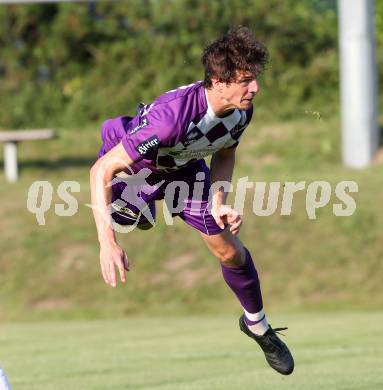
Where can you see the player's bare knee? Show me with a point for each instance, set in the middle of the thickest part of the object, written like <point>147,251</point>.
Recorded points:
<point>230,257</point>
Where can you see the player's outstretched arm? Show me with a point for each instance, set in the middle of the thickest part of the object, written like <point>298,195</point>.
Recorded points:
<point>112,256</point>
<point>221,167</point>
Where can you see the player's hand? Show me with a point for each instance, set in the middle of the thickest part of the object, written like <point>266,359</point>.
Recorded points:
<point>226,215</point>
<point>113,257</point>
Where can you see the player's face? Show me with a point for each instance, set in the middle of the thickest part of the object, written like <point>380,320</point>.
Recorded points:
<point>240,93</point>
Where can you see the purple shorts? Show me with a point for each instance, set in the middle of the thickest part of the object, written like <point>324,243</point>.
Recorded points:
<point>185,191</point>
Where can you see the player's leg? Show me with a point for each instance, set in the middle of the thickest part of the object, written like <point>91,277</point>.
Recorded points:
<point>238,271</point>
<point>130,209</point>
<point>237,266</point>
<point>129,215</point>
<point>241,276</point>
<point>236,263</point>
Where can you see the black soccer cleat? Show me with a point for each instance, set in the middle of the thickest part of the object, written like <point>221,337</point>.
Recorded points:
<point>276,352</point>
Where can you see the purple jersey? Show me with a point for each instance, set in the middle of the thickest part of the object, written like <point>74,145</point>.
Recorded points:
<point>179,127</point>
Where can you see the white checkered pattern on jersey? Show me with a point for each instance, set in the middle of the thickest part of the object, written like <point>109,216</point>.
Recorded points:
<point>204,138</point>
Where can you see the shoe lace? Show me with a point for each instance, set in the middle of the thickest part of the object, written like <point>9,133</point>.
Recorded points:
<point>278,330</point>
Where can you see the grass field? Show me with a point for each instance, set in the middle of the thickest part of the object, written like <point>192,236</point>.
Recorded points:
<point>317,267</point>
<point>332,351</point>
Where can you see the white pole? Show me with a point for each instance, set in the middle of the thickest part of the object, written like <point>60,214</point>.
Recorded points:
<point>358,82</point>
<point>10,161</point>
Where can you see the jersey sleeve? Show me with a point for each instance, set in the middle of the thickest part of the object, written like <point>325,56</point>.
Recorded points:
<point>155,129</point>
<point>237,131</point>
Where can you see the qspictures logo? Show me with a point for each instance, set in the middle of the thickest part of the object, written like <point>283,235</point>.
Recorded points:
<point>266,198</point>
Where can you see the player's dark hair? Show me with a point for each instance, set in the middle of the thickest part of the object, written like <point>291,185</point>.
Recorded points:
<point>237,50</point>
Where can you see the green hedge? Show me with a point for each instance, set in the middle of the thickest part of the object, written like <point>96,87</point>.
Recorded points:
<point>62,64</point>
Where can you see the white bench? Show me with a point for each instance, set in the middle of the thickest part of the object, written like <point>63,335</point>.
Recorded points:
<point>11,139</point>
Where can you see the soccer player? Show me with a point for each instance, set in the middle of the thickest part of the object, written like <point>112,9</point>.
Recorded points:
<point>168,140</point>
